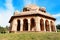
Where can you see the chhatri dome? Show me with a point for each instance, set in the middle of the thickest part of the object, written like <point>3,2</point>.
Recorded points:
<point>34,8</point>
<point>32,18</point>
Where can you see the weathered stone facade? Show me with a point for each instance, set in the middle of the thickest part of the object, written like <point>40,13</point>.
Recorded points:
<point>33,18</point>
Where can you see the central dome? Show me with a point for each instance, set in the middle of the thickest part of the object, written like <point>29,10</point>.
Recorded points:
<point>34,8</point>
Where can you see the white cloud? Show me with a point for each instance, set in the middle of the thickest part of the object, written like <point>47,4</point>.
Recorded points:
<point>5,14</point>
<point>56,15</point>
<point>57,22</point>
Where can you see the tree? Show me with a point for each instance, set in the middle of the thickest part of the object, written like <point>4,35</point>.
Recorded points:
<point>58,26</point>
<point>3,29</point>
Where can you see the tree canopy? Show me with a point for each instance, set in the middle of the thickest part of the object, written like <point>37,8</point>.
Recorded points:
<point>58,26</point>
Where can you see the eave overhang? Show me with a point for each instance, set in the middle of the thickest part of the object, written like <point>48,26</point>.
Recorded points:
<point>30,16</point>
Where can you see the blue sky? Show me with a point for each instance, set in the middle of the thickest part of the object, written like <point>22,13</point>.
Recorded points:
<point>7,8</point>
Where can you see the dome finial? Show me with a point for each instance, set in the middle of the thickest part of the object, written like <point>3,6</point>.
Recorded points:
<point>16,12</point>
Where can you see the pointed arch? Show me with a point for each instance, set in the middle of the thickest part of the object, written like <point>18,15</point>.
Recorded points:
<point>25,25</point>
<point>18,25</point>
<point>52,26</point>
<point>32,24</point>
<point>47,25</point>
<point>42,24</point>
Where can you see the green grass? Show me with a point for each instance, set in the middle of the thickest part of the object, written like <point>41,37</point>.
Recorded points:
<point>31,36</point>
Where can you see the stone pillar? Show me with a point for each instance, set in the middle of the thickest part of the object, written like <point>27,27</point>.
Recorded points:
<point>21,24</point>
<point>14,25</point>
<point>39,24</point>
<point>55,26</point>
<point>44,26</point>
<point>37,21</point>
<point>50,26</point>
<point>28,24</point>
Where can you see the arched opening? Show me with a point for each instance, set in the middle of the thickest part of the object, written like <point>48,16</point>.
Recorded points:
<point>25,25</point>
<point>25,9</point>
<point>42,24</point>
<point>32,24</point>
<point>18,25</point>
<point>47,25</point>
<point>52,26</point>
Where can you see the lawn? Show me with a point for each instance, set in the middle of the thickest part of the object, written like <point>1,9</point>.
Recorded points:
<point>31,36</point>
